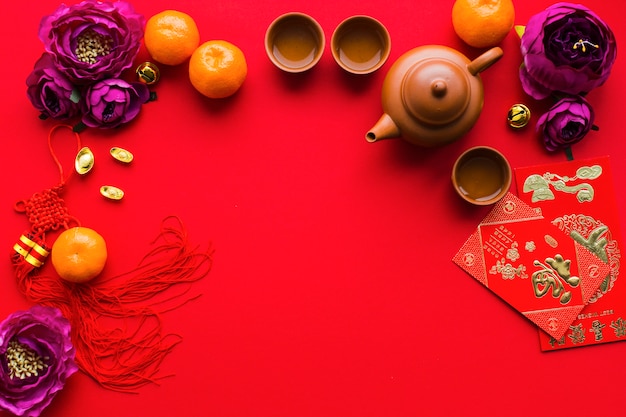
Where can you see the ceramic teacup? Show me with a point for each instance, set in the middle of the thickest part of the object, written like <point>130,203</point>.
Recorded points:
<point>294,42</point>
<point>360,44</point>
<point>481,175</point>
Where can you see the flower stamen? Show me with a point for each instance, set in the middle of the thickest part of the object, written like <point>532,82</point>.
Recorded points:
<point>23,362</point>
<point>91,46</point>
<point>582,44</point>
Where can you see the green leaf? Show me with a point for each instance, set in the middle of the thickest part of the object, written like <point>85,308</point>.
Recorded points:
<point>79,127</point>
<point>519,29</point>
<point>75,96</point>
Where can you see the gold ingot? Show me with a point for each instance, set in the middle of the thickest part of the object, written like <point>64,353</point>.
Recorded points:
<point>111,192</point>
<point>84,161</point>
<point>518,116</point>
<point>148,73</point>
<point>121,155</point>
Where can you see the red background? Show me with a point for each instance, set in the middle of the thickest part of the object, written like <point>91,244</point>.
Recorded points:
<point>333,292</point>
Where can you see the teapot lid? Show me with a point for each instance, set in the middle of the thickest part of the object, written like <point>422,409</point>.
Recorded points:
<point>436,91</point>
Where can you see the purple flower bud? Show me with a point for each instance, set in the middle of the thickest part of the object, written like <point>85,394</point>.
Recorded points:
<point>566,123</point>
<point>92,40</point>
<point>566,48</point>
<point>50,91</point>
<point>36,358</point>
<point>112,102</point>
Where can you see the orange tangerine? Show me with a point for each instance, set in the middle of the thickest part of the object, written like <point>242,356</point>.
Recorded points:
<point>217,69</point>
<point>171,37</point>
<point>483,23</point>
<point>79,254</point>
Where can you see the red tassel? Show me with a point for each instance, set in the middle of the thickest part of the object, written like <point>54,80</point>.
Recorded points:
<point>20,265</point>
<point>116,326</point>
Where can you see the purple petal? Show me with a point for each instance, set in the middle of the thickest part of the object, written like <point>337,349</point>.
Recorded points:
<point>565,123</point>
<point>47,332</point>
<point>566,48</point>
<point>115,20</point>
<point>114,102</point>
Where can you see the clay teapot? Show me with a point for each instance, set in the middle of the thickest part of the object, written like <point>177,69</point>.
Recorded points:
<point>432,95</point>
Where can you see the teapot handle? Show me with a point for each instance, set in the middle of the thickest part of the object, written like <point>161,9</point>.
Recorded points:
<point>484,61</point>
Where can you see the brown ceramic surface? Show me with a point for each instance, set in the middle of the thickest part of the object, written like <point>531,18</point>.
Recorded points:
<point>360,44</point>
<point>432,95</point>
<point>481,175</point>
<point>294,42</point>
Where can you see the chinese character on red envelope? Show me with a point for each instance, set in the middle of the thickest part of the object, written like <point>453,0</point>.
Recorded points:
<point>578,198</point>
<point>546,275</point>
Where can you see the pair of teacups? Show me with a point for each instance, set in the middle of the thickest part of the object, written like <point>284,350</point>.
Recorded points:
<point>295,43</point>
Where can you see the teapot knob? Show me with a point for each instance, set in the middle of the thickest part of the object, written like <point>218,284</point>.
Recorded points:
<point>439,88</point>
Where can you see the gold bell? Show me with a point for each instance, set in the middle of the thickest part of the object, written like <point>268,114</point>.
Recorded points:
<point>148,73</point>
<point>518,116</point>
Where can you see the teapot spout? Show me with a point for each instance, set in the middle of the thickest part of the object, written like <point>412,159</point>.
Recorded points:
<point>385,128</point>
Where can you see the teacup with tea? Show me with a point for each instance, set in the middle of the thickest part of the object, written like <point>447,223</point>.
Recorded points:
<point>481,175</point>
<point>360,44</point>
<point>294,42</point>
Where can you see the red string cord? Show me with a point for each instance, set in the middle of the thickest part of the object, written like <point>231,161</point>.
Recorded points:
<point>46,210</point>
<point>54,156</point>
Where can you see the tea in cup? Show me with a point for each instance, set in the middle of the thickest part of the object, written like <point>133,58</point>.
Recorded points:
<point>360,44</point>
<point>481,175</point>
<point>294,42</point>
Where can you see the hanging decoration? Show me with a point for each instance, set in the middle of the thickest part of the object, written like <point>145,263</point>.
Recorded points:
<point>115,321</point>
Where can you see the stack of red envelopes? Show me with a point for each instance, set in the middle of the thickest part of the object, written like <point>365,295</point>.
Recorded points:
<point>553,253</point>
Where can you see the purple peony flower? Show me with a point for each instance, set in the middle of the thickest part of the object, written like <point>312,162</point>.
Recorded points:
<point>92,40</point>
<point>36,358</point>
<point>50,91</point>
<point>112,102</point>
<point>566,123</point>
<point>566,48</point>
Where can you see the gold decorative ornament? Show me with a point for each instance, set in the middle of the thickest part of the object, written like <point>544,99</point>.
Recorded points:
<point>84,161</point>
<point>518,116</point>
<point>148,73</point>
<point>111,192</point>
<point>121,155</point>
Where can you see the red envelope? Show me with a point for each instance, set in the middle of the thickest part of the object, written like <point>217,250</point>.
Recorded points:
<point>527,261</point>
<point>578,197</point>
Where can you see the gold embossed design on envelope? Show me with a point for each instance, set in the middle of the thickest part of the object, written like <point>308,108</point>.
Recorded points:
<point>598,239</point>
<point>595,224</point>
<point>540,185</point>
<point>562,281</point>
